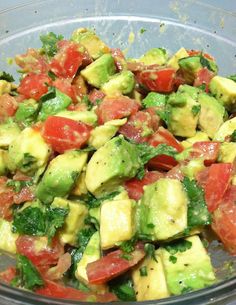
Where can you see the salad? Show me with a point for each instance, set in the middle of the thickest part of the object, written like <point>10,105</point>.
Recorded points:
<point>113,169</point>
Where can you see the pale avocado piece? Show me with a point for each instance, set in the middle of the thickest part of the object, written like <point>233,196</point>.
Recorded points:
<point>74,221</point>
<point>8,239</point>
<point>61,175</point>
<point>199,136</point>
<point>225,130</point>
<point>87,38</point>
<point>116,161</point>
<point>151,286</point>
<point>154,56</point>
<point>192,168</point>
<point>190,65</point>
<point>80,185</point>
<point>9,131</point>
<point>212,114</point>
<point>28,152</point>
<point>224,89</point>
<point>91,253</point>
<point>121,228</point>
<point>119,84</point>
<point>174,60</point>
<point>188,270</point>
<point>87,117</point>
<point>227,153</point>
<point>26,112</point>
<point>163,209</point>
<point>102,134</point>
<point>5,87</point>
<point>99,71</point>
<point>182,118</point>
<point>3,162</point>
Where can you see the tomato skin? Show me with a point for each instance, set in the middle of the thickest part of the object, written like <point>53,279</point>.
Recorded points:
<point>63,133</point>
<point>134,187</point>
<point>224,220</point>
<point>8,106</point>
<point>6,199</point>
<point>68,59</point>
<point>217,183</point>
<point>64,85</point>
<point>95,95</point>
<point>203,77</point>
<point>197,52</point>
<point>163,136</point>
<point>52,289</point>
<point>8,275</point>
<point>119,59</point>
<point>160,80</point>
<point>112,108</point>
<point>207,150</point>
<point>34,85</point>
<point>24,195</point>
<point>112,265</point>
<point>38,250</point>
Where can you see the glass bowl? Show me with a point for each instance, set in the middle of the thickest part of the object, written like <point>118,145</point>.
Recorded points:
<point>135,27</point>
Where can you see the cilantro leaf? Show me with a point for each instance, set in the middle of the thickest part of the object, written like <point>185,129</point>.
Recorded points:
<point>49,42</point>
<point>143,271</point>
<point>205,63</point>
<point>6,76</point>
<point>180,245</point>
<point>196,109</point>
<point>27,163</point>
<point>27,276</point>
<point>94,202</point>
<point>150,251</point>
<point>233,136</point>
<point>84,236</point>
<point>173,259</point>
<point>128,246</point>
<point>232,77</point>
<point>55,218</point>
<point>123,289</point>
<point>197,210</point>
<point>18,185</point>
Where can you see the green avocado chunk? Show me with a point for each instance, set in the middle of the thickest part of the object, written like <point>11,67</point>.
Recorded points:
<point>162,212</point>
<point>9,131</point>
<point>118,84</point>
<point>61,175</point>
<point>154,99</point>
<point>225,130</point>
<point>99,71</point>
<point>187,266</point>
<point>26,112</point>
<point>154,56</point>
<point>113,163</point>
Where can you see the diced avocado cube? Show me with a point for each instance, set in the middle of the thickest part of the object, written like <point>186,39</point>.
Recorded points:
<point>5,87</point>
<point>192,168</point>
<point>99,71</point>
<point>74,221</point>
<point>8,239</point>
<point>227,153</point>
<point>95,213</point>
<point>188,270</point>
<point>151,286</point>
<point>94,45</point>
<point>28,152</point>
<point>212,114</point>
<point>91,253</point>
<point>3,162</point>
<point>163,209</point>
<point>9,131</point>
<point>192,91</point>
<point>61,175</point>
<point>192,64</point>
<point>26,112</point>
<point>116,161</point>
<point>174,60</point>
<point>182,118</point>
<point>80,187</point>
<point>119,84</point>
<point>154,56</point>
<point>225,130</point>
<point>121,228</point>
<point>154,99</point>
<point>199,136</point>
<point>224,89</point>
<point>87,117</point>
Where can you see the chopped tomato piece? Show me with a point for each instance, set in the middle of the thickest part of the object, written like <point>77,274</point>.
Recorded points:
<point>217,183</point>
<point>57,272</point>
<point>112,108</point>
<point>207,150</point>
<point>113,264</point>
<point>38,250</point>
<point>24,195</point>
<point>138,127</point>
<point>202,177</point>
<point>69,58</point>
<point>96,95</point>
<point>203,77</point>
<point>8,275</point>
<point>134,187</point>
<point>224,220</point>
<point>8,106</point>
<point>32,61</point>
<point>119,59</point>
<point>63,133</point>
<point>163,136</point>
<point>197,52</point>
<point>79,87</point>
<point>64,85</point>
<point>19,176</point>
<point>34,85</point>
<point>159,80</point>
<point>6,199</point>
<point>175,173</point>
<point>52,289</point>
